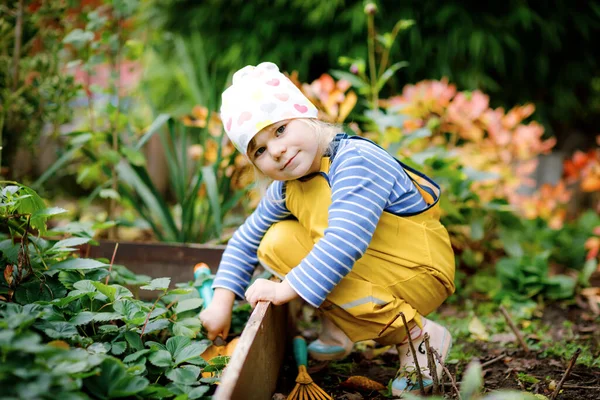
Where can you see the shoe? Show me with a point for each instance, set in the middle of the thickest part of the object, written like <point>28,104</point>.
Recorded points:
<point>332,344</point>
<point>325,352</point>
<point>406,380</point>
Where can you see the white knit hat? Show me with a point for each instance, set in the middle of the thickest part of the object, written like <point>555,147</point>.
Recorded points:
<point>260,96</point>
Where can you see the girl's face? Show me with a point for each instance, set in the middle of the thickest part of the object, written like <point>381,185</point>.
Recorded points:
<point>286,150</point>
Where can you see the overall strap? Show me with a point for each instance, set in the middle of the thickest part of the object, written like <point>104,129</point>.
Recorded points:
<point>430,190</point>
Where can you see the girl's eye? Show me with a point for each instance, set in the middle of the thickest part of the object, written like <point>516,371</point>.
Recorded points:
<point>259,151</point>
<point>280,130</point>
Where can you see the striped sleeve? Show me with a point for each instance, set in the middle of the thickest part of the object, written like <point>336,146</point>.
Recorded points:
<point>239,258</point>
<point>361,187</point>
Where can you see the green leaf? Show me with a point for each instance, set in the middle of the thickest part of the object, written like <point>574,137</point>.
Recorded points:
<point>161,358</point>
<point>82,318</point>
<point>73,295</point>
<point>78,263</point>
<point>78,38</point>
<point>185,375</point>
<point>188,327</point>
<point>113,381</point>
<point>109,194</point>
<point>198,392</point>
<point>136,356</point>
<point>188,304</point>
<point>191,353</point>
<point>389,73</point>
<point>108,328</point>
<point>106,290</point>
<point>107,316</point>
<point>134,340</point>
<point>589,268</point>
<point>113,292</point>
<point>70,242</point>
<point>180,291</point>
<point>472,381</point>
<point>477,231</point>
<point>354,80</point>
<point>59,329</point>
<point>118,348</point>
<point>560,287</point>
<point>152,129</point>
<point>134,156</point>
<point>48,212</point>
<point>156,325</point>
<point>157,284</point>
<point>31,203</point>
<point>85,286</point>
<point>212,189</point>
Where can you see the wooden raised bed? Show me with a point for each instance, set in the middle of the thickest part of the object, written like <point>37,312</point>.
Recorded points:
<point>253,370</point>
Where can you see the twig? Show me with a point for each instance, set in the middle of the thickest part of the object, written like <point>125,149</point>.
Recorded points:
<point>148,316</point>
<point>514,329</point>
<point>17,48</point>
<point>414,353</point>
<point>493,360</point>
<point>431,365</point>
<point>111,263</point>
<point>566,386</point>
<point>389,323</point>
<point>566,374</point>
<point>439,358</point>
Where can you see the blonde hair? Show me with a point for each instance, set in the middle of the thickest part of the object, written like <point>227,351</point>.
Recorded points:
<point>325,133</point>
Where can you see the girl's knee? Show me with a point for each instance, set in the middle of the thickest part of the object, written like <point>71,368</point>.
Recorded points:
<point>283,246</point>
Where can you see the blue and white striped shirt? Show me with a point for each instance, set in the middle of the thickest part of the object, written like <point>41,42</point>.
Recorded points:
<point>365,180</point>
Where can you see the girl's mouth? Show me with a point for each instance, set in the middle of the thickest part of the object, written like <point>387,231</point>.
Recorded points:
<point>288,162</point>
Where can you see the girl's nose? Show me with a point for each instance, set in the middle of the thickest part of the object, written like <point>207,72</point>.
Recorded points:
<point>276,149</point>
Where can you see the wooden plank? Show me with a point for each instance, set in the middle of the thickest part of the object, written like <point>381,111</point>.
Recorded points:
<point>159,259</point>
<point>253,369</point>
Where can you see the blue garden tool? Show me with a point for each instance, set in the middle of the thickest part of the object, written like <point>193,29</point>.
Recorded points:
<point>220,348</point>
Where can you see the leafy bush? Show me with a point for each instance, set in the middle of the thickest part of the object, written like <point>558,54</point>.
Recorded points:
<point>34,90</point>
<point>516,52</point>
<point>66,332</point>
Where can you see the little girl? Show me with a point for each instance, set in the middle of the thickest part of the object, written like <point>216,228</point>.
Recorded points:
<point>346,226</point>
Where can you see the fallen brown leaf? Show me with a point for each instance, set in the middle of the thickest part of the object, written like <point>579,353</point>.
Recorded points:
<point>362,383</point>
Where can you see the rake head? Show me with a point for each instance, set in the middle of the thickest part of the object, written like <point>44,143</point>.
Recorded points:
<point>306,389</point>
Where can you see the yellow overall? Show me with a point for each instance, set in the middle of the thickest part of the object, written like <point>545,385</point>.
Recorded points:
<point>408,266</point>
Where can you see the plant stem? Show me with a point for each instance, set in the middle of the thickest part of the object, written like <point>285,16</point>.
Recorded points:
<point>514,329</point>
<point>453,382</point>
<point>386,54</point>
<point>17,49</point>
<point>414,354</point>
<point>566,374</point>
<point>372,67</point>
<point>148,316</point>
<point>431,365</point>
<point>115,129</point>
<point>111,263</point>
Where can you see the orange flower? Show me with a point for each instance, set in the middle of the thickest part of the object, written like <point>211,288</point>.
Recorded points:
<point>197,118</point>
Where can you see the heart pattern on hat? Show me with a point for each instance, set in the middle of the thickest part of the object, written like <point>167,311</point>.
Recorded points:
<point>245,116</point>
<point>301,108</point>
<point>282,96</point>
<point>260,96</point>
<point>268,107</point>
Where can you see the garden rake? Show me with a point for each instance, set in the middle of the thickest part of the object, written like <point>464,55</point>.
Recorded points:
<point>305,388</point>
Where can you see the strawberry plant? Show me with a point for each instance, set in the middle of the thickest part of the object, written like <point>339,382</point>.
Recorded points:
<point>70,327</point>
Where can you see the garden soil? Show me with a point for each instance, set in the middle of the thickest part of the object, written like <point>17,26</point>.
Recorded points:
<point>504,367</point>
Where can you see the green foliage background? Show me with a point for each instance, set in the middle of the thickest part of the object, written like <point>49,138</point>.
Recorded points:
<point>514,51</point>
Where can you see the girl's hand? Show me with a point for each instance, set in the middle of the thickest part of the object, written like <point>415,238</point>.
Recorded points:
<point>265,290</point>
<point>216,318</point>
